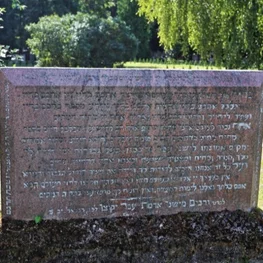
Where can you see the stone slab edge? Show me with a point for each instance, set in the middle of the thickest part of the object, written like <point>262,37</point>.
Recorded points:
<point>131,77</point>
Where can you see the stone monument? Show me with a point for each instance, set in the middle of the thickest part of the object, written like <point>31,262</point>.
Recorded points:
<point>96,143</point>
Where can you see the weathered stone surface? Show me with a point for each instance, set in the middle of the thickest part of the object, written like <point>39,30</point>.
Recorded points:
<point>91,143</point>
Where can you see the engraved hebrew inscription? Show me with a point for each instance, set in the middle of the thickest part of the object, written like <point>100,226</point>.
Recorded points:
<point>111,151</point>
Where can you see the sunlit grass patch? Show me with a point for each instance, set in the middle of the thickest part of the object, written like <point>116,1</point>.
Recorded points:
<point>260,195</point>
<point>163,65</point>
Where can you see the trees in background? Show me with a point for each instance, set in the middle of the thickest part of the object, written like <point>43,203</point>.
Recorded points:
<point>230,31</point>
<point>1,13</point>
<point>20,13</point>
<point>100,8</point>
<point>2,10</point>
<point>81,41</point>
<point>127,11</point>
<point>227,32</point>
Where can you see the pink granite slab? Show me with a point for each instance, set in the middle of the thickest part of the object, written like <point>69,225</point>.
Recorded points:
<point>93,143</point>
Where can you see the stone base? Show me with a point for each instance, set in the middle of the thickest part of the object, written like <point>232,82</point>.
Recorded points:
<point>185,237</point>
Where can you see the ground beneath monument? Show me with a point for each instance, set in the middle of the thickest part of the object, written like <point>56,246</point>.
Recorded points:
<point>189,237</point>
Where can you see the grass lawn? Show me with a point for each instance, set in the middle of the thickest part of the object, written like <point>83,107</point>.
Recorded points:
<point>260,195</point>
<point>164,65</point>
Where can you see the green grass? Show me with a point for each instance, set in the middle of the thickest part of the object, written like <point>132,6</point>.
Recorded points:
<point>160,65</point>
<point>260,194</point>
